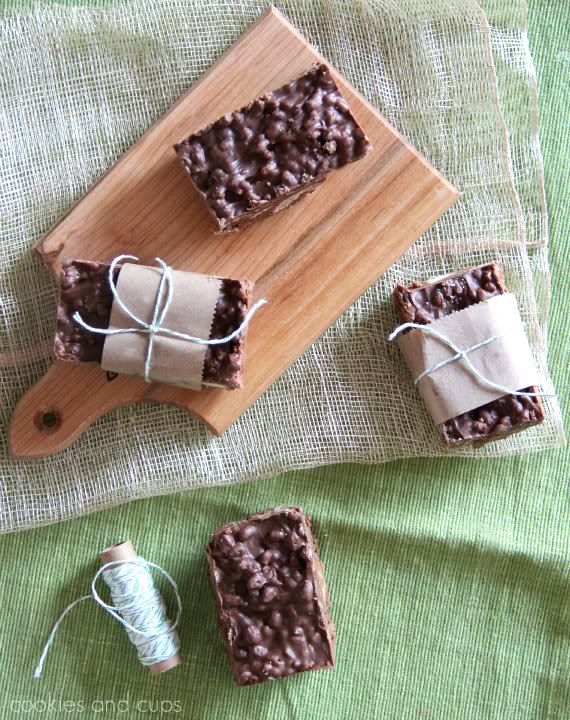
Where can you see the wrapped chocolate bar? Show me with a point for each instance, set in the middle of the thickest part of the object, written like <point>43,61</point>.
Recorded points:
<point>264,157</point>
<point>166,325</point>
<point>465,344</point>
<point>271,598</point>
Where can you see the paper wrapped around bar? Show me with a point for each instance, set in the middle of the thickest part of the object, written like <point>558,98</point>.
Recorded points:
<point>125,552</point>
<point>173,360</point>
<point>454,389</point>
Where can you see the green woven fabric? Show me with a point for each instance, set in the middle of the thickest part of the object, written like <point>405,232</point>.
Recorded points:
<point>449,578</point>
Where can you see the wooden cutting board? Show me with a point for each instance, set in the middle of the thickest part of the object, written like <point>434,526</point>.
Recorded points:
<point>311,260</point>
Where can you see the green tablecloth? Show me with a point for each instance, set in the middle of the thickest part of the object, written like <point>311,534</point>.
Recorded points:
<point>449,579</point>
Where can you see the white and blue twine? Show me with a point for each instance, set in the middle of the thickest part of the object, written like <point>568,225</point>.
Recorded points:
<point>138,606</point>
<point>461,355</point>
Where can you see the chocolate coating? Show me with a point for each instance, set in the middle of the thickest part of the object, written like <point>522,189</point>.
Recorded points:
<point>271,596</point>
<point>423,303</point>
<point>253,160</point>
<point>223,364</point>
<point>84,287</point>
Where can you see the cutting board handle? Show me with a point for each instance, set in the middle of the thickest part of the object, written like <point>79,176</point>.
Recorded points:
<point>63,403</point>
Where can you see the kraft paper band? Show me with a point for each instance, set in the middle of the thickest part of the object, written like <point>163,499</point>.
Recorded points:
<point>191,311</point>
<point>454,389</point>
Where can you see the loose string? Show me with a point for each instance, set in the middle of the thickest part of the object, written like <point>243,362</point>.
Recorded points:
<point>160,309</point>
<point>461,355</point>
<point>139,607</point>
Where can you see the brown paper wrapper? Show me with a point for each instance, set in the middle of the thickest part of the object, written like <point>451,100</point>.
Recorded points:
<point>173,361</point>
<point>126,552</point>
<point>455,389</point>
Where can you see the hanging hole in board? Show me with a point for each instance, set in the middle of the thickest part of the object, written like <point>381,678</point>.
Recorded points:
<point>48,420</point>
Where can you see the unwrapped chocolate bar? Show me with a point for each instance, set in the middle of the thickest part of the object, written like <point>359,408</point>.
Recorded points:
<point>271,598</point>
<point>85,289</point>
<point>425,303</point>
<point>262,158</point>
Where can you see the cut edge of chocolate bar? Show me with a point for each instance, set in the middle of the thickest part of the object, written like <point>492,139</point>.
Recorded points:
<point>234,379</point>
<point>286,194</point>
<point>321,594</point>
<point>451,431</point>
<point>67,346</point>
<point>220,361</point>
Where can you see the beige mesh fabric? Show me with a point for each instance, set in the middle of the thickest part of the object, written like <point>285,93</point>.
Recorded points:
<point>80,84</point>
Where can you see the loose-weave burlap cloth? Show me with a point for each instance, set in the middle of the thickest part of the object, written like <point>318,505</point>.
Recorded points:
<point>80,84</point>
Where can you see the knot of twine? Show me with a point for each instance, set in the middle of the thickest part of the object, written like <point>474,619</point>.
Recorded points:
<point>161,305</point>
<point>139,607</point>
<point>461,355</point>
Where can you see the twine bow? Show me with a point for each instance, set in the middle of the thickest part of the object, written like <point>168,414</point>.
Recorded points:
<point>161,305</point>
<point>461,355</point>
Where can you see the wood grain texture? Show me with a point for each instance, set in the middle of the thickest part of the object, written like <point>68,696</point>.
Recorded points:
<point>311,260</point>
